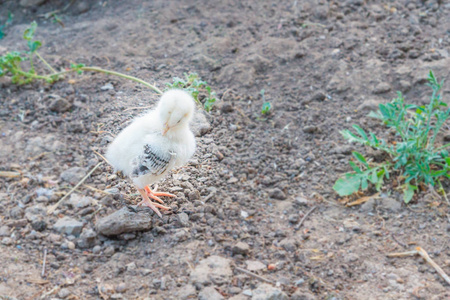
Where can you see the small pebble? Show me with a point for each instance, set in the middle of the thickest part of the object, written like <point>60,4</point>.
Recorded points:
<point>71,245</point>
<point>7,241</point>
<point>121,287</point>
<point>97,249</point>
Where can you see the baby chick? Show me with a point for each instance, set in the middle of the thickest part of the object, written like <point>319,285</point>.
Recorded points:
<point>154,144</point>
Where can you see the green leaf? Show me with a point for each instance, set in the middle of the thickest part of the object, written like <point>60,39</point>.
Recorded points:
<point>384,111</point>
<point>354,167</point>
<point>34,45</point>
<point>361,132</point>
<point>29,32</point>
<point>374,176</point>
<point>266,107</point>
<point>408,192</point>
<point>375,115</point>
<point>347,185</point>
<point>364,183</point>
<point>360,158</point>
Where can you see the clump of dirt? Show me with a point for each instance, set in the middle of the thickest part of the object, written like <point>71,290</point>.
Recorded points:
<point>323,65</point>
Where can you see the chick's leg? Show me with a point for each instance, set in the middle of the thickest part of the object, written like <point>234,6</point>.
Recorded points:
<point>149,203</point>
<point>155,195</point>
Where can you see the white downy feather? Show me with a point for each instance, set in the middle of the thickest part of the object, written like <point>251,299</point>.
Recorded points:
<point>129,146</point>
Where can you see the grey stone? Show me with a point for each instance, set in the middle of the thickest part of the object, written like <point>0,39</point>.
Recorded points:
<point>39,224</point>
<point>300,282</point>
<point>209,293</point>
<point>28,3</point>
<point>368,105</point>
<point>59,104</point>
<point>107,87</point>
<point>289,244</point>
<point>368,206</point>
<point>183,219</point>
<point>7,241</point>
<point>382,88</point>
<point>187,292</point>
<point>81,7</point>
<point>200,124</point>
<point>180,235</point>
<point>301,200</point>
<point>73,175</point>
<point>226,107</point>
<point>391,204</point>
<point>80,201</point>
<point>254,265</point>
<point>293,218</point>
<point>241,248</point>
<point>310,129</point>
<point>352,257</point>
<point>268,292</point>
<point>213,268</point>
<point>64,293</point>
<point>239,297</point>
<point>124,220</point>
<point>16,212</point>
<point>68,226</point>
<point>5,231</point>
<point>121,287</point>
<point>35,146</point>
<point>276,193</point>
<point>87,238</point>
<point>346,150</point>
<point>109,250</point>
<point>318,96</point>
<point>299,295</point>
<point>97,249</point>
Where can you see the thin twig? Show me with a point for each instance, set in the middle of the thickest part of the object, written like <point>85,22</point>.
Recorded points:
<point>102,157</point>
<point>53,290</point>
<point>96,190</point>
<point>45,62</point>
<point>254,275</point>
<point>138,107</point>
<point>52,208</point>
<point>43,263</point>
<point>398,242</point>
<point>424,254</point>
<point>304,218</point>
<point>9,174</point>
<point>96,69</point>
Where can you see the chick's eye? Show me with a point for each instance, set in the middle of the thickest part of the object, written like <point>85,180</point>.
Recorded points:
<point>179,121</point>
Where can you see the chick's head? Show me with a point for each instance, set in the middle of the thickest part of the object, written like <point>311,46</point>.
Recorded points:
<point>176,109</point>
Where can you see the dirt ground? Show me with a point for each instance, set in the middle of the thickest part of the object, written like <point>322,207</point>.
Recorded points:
<point>323,65</point>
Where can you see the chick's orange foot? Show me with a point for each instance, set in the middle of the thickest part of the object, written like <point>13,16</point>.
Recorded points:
<point>155,195</point>
<point>147,202</point>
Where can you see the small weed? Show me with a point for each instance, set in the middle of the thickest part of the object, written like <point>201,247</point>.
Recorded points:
<point>266,107</point>
<point>57,19</point>
<point>195,86</point>
<point>7,23</point>
<point>414,157</point>
<point>10,64</point>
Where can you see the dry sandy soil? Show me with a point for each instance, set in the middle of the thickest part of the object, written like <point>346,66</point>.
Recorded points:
<point>323,65</point>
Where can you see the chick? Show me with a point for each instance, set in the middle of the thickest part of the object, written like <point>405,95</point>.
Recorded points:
<point>155,143</point>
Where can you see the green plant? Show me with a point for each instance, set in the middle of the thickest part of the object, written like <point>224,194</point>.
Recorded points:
<point>10,64</point>
<point>414,157</point>
<point>266,107</point>
<point>57,19</point>
<point>194,85</point>
<point>8,22</point>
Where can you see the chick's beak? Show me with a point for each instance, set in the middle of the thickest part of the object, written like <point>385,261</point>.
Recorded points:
<point>166,128</point>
